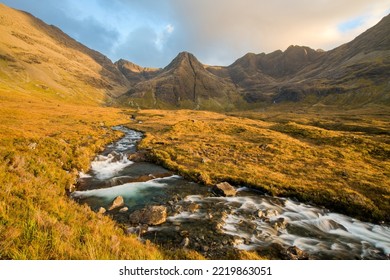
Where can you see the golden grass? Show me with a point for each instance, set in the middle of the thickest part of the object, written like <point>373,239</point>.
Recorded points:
<point>340,161</point>
<point>42,145</point>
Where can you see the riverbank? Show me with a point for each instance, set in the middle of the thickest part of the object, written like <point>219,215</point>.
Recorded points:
<point>309,157</point>
<point>219,222</point>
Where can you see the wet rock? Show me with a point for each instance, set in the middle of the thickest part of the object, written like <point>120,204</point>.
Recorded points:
<point>259,213</point>
<point>224,189</point>
<point>139,230</point>
<point>294,253</point>
<point>118,202</point>
<point>279,224</point>
<point>115,156</point>
<point>123,210</point>
<point>185,242</point>
<point>139,156</point>
<point>193,207</point>
<point>271,213</point>
<point>102,210</point>
<point>150,215</point>
<point>247,225</point>
<point>100,158</point>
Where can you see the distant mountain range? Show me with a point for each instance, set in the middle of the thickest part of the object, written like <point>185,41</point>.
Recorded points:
<point>352,75</point>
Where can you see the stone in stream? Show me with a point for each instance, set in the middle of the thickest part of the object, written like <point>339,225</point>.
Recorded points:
<point>294,253</point>
<point>185,242</point>
<point>123,210</point>
<point>117,202</point>
<point>150,215</point>
<point>224,189</point>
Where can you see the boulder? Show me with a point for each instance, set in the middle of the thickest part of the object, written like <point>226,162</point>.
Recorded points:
<point>294,253</point>
<point>150,215</point>
<point>123,210</point>
<point>224,189</point>
<point>102,210</point>
<point>116,203</point>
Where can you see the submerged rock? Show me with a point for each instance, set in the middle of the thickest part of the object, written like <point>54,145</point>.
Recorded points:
<point>118,202</point>
<point>150,215</point>
<point>224,189</point>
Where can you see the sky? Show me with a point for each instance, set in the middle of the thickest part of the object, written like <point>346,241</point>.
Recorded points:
<point>152,32</point>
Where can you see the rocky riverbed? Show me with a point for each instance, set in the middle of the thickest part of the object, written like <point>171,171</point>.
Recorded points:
<point>218,221</point>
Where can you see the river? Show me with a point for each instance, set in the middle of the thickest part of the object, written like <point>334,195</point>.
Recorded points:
<point>218,227</point>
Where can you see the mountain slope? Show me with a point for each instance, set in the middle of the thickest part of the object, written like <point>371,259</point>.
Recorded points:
<point>37,57</point>
<point>184,83</point>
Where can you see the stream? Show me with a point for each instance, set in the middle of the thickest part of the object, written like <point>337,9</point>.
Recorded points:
<point>218,227</point>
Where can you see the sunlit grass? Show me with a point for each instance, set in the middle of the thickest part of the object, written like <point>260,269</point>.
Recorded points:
<point>43,144</point>
<point>285,154</point>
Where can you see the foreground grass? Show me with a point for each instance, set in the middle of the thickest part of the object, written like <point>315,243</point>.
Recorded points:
<point>42,145</point>
<point>340,161</point>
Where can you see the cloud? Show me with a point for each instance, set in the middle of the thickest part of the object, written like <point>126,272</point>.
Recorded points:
<point>220,27</point>
<point>151,33</point>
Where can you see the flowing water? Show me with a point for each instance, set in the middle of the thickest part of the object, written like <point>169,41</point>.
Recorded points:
<point>219,226</point>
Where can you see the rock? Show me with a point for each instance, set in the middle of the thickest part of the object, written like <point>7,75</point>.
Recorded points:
<point>123,210</point>
<point>205,248</point>
<point>279,224</point>
<point>100,158</point>
<point>193,207</point>
<point>259,213</point>
<point>32,146</point>
<point>115,156</point>
<point>294,253</point>
<point>271,213</point>
<point>102,210</point>
<point>118,202</point>
<point>137,156</point>
<point>185,242</point>
<point>150,215</point>
<point>184,233</point>
<point>224,189</point>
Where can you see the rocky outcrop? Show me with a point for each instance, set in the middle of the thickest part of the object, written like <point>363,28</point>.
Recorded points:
<point>224,189</point>
<point>150,215</point>
<point>117,202</point>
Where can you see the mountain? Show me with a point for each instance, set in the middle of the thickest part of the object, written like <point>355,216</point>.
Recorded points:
<point>135,73</point>
<point>184,83</point>
<point>38,57</point>
<point>354,74</point>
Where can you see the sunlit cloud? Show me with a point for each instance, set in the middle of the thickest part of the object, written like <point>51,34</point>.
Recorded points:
<point>151,33</point>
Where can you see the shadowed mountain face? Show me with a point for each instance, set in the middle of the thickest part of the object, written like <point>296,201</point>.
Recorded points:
<point>184,83</point>
<point>37,56</point>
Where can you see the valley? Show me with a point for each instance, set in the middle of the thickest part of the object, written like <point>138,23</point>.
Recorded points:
<point>304,129</point>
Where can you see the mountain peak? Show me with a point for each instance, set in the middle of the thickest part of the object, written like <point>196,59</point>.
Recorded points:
<point>184,59</point>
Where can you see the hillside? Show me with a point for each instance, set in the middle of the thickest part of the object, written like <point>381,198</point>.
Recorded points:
<point>37,57</point>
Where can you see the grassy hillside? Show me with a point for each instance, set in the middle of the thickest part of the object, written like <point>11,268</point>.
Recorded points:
<point>42,145</point>
<point>337,160</point>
